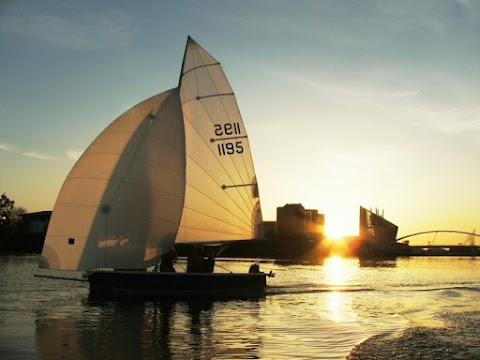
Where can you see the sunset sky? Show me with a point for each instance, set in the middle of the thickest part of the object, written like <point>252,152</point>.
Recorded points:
<point>346,103</point>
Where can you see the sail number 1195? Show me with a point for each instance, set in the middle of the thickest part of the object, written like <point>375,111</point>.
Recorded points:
<point>229,147</point>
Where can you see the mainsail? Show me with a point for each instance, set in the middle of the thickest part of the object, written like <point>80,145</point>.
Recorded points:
<point>175,168</point>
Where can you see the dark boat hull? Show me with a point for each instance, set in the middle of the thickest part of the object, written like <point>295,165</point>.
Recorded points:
<point>143,285</point>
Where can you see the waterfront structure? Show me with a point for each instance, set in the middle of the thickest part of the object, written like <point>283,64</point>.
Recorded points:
<point>36,223</point>
<point>294,221</point>
<point>314,224</point>
<point>269,229</point>
<point>377,235</point>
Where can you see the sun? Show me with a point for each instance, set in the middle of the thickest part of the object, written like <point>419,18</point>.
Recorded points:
<point>337,228</point>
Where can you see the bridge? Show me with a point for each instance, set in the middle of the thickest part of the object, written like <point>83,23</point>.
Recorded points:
<point>470,235</point>
<point>466,248</point>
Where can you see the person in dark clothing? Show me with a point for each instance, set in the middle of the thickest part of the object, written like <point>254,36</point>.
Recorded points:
<point>167,261</point>
<point>254,268</point>
<point>197,262</point>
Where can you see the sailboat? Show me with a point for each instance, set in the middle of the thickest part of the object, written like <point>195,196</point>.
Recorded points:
<point>174,169</point>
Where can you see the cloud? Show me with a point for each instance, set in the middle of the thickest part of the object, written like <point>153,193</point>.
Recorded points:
<point>73,154</point>
<point>450,120</point>
<point>78,33</point>
<point>6,147</point>
<point>356,90</point>
<point>37,155</point>
<point>444,103</point>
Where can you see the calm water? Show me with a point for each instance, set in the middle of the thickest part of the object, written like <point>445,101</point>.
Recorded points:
<point>408,308</point>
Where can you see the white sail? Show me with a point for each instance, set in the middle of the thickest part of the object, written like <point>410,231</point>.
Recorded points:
<point>175,168</point>
<point>221,196</point>
<point>121,203</point>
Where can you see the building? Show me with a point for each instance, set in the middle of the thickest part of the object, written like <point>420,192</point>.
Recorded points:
<point>314,224</point>
<point>269,229</point>
<point>290,221</point>
<point>294,221</point>
<point>36,223</point>
<point>28,236</point>
<point>376,234</point>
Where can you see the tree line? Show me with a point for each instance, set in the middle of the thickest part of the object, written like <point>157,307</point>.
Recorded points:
<point>9,213</point>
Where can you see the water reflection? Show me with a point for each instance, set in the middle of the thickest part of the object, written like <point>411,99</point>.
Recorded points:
<point>377,262</point>
<point>337,273</point>
<point>334,299</point>
<point>172,330</point>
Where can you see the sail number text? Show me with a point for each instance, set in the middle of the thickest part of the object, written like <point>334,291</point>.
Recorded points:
<point>229,147</point>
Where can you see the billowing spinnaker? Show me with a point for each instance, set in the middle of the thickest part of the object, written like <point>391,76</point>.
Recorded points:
<point>221,196</point>
<point>121,204</point>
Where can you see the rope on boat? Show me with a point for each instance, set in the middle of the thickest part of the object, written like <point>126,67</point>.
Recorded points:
<point>230,271</point>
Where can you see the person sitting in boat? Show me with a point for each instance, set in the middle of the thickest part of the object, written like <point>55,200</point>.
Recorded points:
<point>167,261</point>
<point>210,262</point>
<point>254,268</point>
<point>197,262</point>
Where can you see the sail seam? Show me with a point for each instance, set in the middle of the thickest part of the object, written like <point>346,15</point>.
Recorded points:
<point>221,206</point>
<point>218,219</point>
<point>128,183</point>
<point>116,210</point>
<point>199,67</point>
<point>213,95</point>
<point>213,231</point>
<point>132,156</point>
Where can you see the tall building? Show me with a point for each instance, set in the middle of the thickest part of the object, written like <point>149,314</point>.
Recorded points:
<point>294,221</point>
<point>290,220</point>
<point>376,233</point>
<point>314,224</point>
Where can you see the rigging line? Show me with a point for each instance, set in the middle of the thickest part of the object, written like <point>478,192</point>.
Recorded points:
<point>246,214</point>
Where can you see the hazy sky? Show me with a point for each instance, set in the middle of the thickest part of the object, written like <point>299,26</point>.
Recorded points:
<point>347,103</point>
